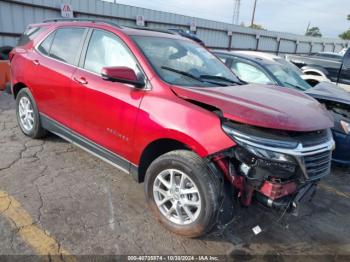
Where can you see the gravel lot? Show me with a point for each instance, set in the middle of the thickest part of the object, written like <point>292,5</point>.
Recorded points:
<point>89,207</point>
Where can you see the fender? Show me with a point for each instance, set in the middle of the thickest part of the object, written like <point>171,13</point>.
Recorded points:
<point>192,125</point>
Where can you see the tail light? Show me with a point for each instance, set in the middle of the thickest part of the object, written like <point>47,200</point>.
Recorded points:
<point>11,55</point>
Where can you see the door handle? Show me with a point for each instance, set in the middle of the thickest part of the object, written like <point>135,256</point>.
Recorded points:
<point>81,80</point>
<point>36,62</point>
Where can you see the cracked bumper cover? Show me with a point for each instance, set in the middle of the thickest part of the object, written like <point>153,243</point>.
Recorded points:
<point>289,202</point>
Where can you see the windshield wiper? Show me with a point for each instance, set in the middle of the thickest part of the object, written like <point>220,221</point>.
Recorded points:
<point>191,76</point>
<point>220,78</point>
<point>182,73</point>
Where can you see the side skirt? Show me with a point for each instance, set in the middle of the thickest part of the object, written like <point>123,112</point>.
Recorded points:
<point>89,146</point>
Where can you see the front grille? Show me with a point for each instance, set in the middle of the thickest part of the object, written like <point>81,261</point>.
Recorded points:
<point>318,165</point>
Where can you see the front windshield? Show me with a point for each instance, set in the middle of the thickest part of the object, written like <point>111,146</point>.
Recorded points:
<point>181,62</point>
<point>288,76</point>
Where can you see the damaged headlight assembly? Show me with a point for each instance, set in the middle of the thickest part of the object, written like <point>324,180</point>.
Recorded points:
<point>267,154</point>
<point>262,147</point>
<point>262,157</point>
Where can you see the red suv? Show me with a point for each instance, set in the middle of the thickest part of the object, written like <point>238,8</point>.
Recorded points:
<point>167,111</point>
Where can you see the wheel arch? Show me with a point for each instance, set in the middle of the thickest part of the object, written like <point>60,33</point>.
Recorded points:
<point>155,149</point>
<point>17,87</point>
<point>315,70</point>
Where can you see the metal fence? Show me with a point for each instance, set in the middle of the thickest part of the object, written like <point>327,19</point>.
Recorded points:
<point>15,15</point>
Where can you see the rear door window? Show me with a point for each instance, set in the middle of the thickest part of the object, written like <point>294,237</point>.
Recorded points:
<point>66,44</point>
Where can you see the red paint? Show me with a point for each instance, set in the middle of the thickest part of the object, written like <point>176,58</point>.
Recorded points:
<point>119,73</point>
<point>266,106</point>
<point>11,54</point>
<point>244,191</point>
<point>105,112</point>
<point>222,164</point>
<point>277,190</point>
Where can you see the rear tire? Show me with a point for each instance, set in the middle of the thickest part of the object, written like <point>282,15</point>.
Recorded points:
<point>188,203</point>
<point>28,117</point>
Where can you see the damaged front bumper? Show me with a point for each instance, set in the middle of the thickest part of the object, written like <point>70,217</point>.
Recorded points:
<point>290,201</point>
<point>278,173</point>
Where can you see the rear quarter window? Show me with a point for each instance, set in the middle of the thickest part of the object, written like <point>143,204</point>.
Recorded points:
<point>45,46</point>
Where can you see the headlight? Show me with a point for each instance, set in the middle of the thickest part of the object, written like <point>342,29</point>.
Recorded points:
<point>262,147</point>
<point>268,155</point>
<point>260,140</point>
<point>345,126</point>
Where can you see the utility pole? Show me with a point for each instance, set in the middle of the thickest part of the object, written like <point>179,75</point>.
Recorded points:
<point>253,15</point>
<point>236,11</point>
<point>308,27</point>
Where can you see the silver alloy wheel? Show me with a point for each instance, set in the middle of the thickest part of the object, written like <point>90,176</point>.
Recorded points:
<point>177,197</point>
<point>26,114</point>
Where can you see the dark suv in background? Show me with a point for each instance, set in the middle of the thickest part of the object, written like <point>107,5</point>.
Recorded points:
<point>325,67</point>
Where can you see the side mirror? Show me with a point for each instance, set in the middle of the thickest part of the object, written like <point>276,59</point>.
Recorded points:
<point>123,75</point>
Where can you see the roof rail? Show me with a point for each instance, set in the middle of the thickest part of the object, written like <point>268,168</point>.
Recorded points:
<point>81,20</point>
<point>166,31</point>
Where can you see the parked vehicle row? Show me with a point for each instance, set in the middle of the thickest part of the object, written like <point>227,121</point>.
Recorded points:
<point>262,68</point>
<point>324,67</point>
<point>167,111</point>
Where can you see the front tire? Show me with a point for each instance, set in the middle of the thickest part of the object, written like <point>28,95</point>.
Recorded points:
<point>28,115</point>
<point>182,193</point>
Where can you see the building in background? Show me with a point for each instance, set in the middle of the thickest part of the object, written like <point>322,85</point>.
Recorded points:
<point>15,15</point>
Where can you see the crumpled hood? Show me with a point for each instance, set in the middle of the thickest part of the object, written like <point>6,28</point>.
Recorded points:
<point>330,92</point>
<point>262,105</point>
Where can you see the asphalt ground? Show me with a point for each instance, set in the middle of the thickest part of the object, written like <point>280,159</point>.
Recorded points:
<point>57,200</point>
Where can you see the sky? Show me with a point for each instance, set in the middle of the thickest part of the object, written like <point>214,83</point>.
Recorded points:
<point>290,16</point>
